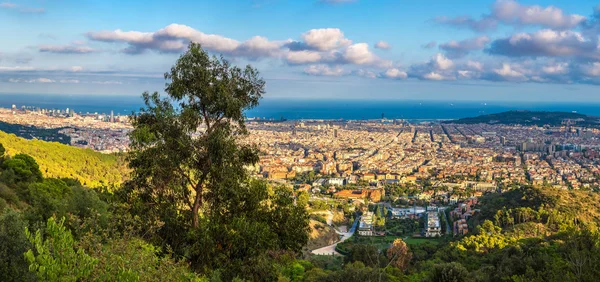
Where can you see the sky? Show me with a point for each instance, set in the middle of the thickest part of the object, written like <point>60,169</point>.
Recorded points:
<point>478,50</point>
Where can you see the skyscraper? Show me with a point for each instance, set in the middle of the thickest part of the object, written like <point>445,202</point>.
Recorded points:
<point>112,116</point>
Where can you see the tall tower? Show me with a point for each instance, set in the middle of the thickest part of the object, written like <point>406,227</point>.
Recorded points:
<point>112,116</point>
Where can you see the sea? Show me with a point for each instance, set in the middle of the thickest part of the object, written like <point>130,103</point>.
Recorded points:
<point>299,109</point>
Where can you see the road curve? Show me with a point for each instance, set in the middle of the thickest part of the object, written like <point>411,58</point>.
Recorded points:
<point>330,250</point>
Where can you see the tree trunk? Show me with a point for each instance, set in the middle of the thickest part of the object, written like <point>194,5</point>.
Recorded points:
<point>197,204</point>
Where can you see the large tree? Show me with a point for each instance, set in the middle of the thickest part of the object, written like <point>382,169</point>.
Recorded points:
<point>189,180</point>
<point>184,148</point>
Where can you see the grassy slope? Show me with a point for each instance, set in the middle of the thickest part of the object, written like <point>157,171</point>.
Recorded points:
<point>93,169</point>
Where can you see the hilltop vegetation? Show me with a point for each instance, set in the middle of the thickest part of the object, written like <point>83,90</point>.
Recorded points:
<point>33,132</point>
<point>92,169</point>
<point>530,118</point>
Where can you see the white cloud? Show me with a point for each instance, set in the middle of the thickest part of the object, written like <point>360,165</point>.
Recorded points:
<point>66,49</point>
<point>76,68</point>
<point>395,73</point>
<point>70,81</point>
<point>592,69</point>
<point>434,76</point>
<point>509,73</point>
<point>546,43</point>
<point>383,45</point>
<point>325,39</point>
<point>35,80</point>
<point>475,65</point>
<point>359,54</point>
<point>560,68</point>
<point>511,12</point>
<point>303,57</point>
<point>439,61</point>
<point>324,70</point>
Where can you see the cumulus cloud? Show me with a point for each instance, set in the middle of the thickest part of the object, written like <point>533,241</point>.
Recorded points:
<point>474,65</point>
<point>546,43</point>
<point>66,49</point>
<point>556,69</point>
<point>359,54</point>
<point>591,69</point>
<point>303,57</point>
<point>510,12</point>
<point>456,49</point>
<point>325,39</point>
<point>324,70</point>
<point>383,45</point>
<point>394,73</point>
<point>435,76</point>
<point>175,37</point>
<point>439,67</point>
<point>508,73</point>
<point>69,81</point>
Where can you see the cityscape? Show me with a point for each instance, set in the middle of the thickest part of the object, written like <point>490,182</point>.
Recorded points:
<point>300,141</point>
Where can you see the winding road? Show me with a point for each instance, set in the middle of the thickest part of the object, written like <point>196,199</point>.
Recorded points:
<point>330,250</point>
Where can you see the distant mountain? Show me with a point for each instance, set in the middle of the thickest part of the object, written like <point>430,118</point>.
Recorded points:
<point>532,118</point>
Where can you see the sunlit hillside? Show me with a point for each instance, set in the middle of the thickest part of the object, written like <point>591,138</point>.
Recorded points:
<point>57,160</point>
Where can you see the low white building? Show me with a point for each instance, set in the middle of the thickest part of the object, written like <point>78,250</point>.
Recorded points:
<point>365,226</point>
<point>433,228</point>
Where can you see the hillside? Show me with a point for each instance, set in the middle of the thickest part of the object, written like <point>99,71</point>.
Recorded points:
<point>531,118</point>
<point>32,132</point>
<point>58,160</point>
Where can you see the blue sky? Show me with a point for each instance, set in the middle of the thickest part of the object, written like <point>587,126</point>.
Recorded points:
<point>362,49</point>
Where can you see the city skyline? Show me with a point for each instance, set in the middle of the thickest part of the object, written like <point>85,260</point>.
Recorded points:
<point>489,50</point>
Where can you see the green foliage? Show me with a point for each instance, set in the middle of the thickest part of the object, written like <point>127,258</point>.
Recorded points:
<point>57,160</point>
<point>449,272</point>
<point>49,197</point>
<point>55,256</point>
<point>191,185</point>
<point>13,243</point>
<point>132,259</point>
<point>23,167</point>
<point>33,132</point>
<point>366,254</point>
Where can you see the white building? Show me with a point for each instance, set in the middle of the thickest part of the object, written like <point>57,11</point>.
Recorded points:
<point>365,226</point>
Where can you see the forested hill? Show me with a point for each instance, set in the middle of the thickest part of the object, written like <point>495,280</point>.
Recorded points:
<point>57,160</point>
<point>33,132</point>
<point>531,118</point>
